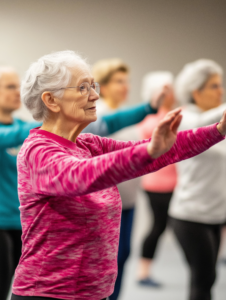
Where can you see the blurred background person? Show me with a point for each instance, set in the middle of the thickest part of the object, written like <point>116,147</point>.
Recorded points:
<point>113,76</point>
<point>198,206</point>
<point>158,186</point>
<point>13,132</point>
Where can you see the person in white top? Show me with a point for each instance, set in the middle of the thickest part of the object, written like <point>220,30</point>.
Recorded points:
<point>198,206</point>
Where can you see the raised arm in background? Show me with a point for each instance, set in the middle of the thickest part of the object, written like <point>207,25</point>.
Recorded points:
<point>111,123</point>
<point>15,134</point>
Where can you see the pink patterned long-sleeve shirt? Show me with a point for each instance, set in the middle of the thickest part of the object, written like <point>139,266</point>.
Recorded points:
<point>70,208</point>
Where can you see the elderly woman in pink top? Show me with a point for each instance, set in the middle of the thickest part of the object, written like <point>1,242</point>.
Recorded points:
<point>70,205</point>
<point>158,186</point>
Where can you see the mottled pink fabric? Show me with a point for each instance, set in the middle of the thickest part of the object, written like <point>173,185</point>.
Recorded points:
<point>70,208</point>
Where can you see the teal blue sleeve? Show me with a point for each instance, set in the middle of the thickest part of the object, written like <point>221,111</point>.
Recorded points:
<point>12,136</point>
<point>98,128</point>
<point>127,117</point>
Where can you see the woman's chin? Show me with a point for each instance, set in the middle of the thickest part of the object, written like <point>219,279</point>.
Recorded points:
<point>92,118</point>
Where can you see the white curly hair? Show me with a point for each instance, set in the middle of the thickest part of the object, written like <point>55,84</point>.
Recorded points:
<point>49,73</point>
<point>193,77</point>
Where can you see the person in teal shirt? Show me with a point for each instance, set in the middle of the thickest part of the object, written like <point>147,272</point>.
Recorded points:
<point>13,132</point>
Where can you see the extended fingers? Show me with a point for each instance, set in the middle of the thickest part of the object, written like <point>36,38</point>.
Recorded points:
<point>222,125</point>
<point>170,117</point>
<point>166,123</point>
<point>176,123</point>
<point>224,117</point>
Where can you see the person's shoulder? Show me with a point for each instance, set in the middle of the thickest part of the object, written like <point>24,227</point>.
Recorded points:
<point>190,112</point>
<point>190,116</point>
<point>37,140</point>
<point>191,109</point>
<point>88,137</point>
<point>91,141</point>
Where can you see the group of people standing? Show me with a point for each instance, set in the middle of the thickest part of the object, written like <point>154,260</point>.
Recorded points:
<point>76,224</point>
<point>190,196</point>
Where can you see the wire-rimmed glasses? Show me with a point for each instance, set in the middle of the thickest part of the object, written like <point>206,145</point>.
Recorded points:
<point>85,88</point>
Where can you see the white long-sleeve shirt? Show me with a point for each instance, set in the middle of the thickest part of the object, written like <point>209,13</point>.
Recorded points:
<point>200,194</point>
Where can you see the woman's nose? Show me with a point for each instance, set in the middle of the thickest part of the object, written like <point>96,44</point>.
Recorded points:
<point>93,96</point>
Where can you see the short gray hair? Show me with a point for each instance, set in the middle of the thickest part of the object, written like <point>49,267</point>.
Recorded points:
<point>153,82</point>
<point>50,73</point>
<point>193,77</point>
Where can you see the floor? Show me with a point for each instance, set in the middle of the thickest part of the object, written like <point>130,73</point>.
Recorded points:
<point>169,267</point>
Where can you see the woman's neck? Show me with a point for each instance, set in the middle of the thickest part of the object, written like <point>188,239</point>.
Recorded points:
<point>66,129</point>
<point>5,117</point>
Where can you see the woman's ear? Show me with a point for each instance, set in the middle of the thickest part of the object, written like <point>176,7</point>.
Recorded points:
<point>50,102</point>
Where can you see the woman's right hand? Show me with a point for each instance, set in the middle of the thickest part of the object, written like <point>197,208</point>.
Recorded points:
<point>221,127</point>
<point>165,134</point>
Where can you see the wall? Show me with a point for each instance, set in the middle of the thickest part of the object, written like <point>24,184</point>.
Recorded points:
<point>148,34</point>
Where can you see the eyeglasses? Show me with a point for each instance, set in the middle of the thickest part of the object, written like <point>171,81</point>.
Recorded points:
<point>85,88</point>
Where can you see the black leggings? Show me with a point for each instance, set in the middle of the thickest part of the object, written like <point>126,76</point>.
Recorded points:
<point>159,203</point>
<point>10,252</point>
<point>200,243</point>
<point>15,297</point>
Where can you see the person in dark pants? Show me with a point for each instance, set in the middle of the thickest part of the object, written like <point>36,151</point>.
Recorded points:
<point>157,186</point>
<point>200,243</point>
<point>198,207</point>
<point>10,251</point>
<point>113,76</point>
<point>159,203</point>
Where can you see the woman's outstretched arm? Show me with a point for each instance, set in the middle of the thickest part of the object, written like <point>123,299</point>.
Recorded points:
<point>189,143</point>
<point>55,172</point>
